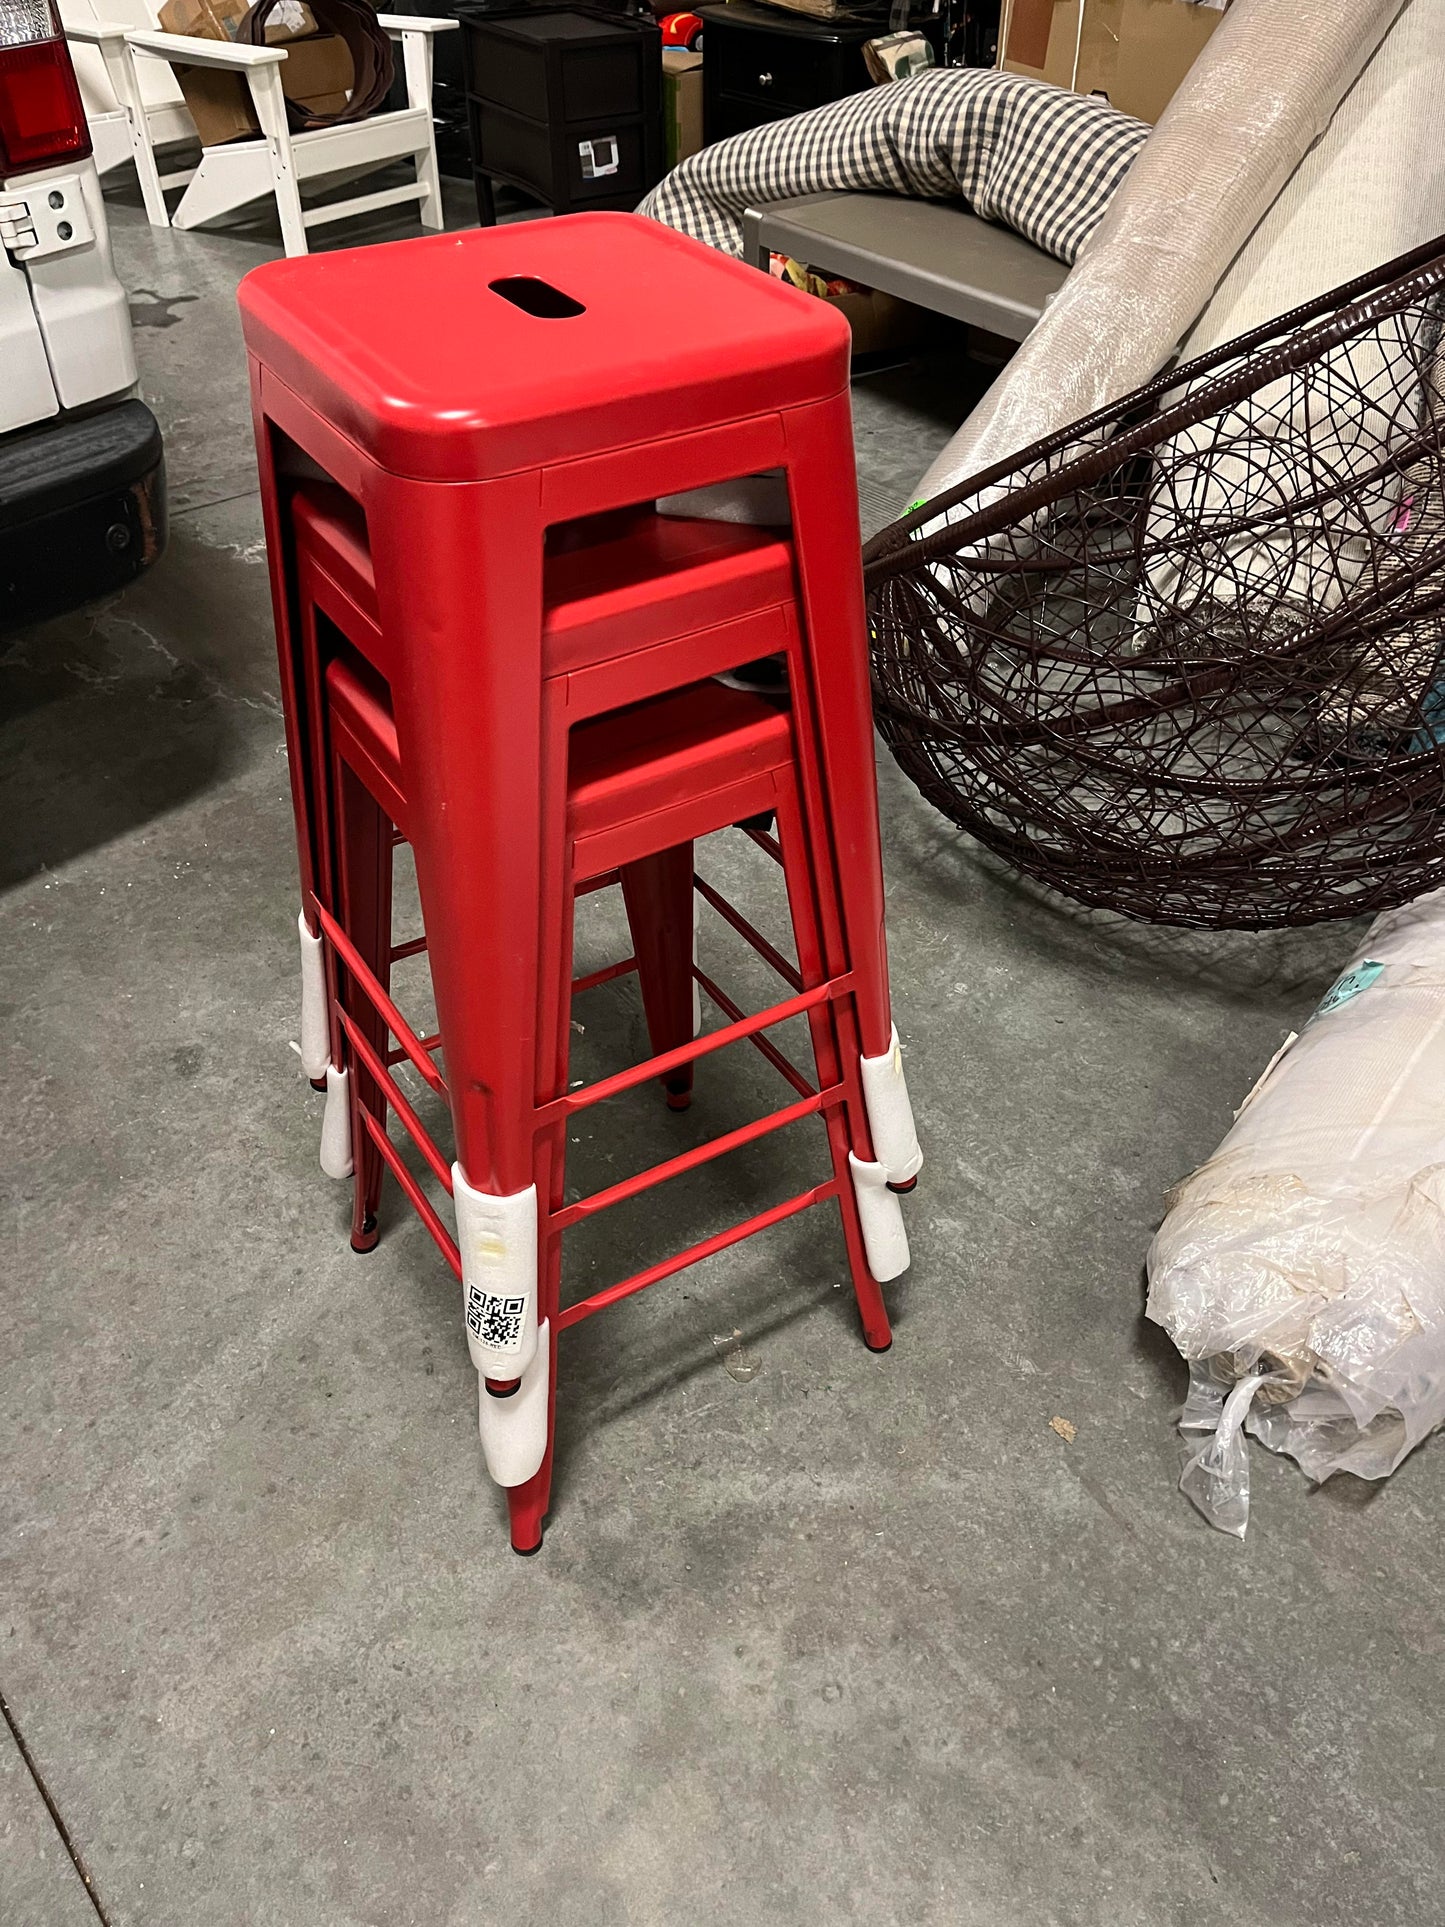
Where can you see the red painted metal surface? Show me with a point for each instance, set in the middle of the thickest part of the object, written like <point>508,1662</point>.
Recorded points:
<point>483,560</point>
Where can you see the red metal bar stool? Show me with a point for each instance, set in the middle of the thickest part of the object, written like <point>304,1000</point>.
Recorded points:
<point>500,471</point>
<point>681,765</point>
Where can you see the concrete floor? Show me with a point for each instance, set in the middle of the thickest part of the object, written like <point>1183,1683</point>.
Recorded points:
<point>816,1636</point>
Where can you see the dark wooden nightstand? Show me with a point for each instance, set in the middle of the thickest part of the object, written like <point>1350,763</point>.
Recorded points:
<point>762,64</point>
<point>564,104</point>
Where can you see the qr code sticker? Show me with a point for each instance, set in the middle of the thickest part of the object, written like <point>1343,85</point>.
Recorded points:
<point>495,1322</point>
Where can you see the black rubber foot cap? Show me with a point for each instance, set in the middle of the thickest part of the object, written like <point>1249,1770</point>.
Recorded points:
<point>879,1348</point>
<point>679,1100</point>
<point>908,1184</point>
<point>317,1083</point>
<point>367,1239</point>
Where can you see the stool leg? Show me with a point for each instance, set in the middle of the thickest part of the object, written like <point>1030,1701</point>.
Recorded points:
<point>318,979</point>
<point>528,1504</point>
<point>840,786</point>
<point>658,893</point>
<point>874,1248</point>
<point>826,541</point>
<point>467,563</point>
<point>315,1055</point>
<point>364,865</point>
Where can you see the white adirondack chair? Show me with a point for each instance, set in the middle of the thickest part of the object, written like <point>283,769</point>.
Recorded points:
<point>126,131</point>
<point>149,112</point>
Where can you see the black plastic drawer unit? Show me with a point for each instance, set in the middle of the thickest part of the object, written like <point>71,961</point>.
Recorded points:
<point>565,105</point>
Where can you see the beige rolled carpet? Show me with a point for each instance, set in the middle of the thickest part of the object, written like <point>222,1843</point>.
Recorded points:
<point>1262,92</point>
<point>1224,524</point>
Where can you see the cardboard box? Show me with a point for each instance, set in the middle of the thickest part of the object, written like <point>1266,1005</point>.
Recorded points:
<point>317,71</point>
<point>681,103</point>
<point>879,321</point>
<point>1134,51</point>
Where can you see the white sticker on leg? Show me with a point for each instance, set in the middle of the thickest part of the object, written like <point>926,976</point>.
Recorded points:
<point>497,1238</point>
<point>885,1242</point>
<point>513,1428</point>
<point>890,1115</point>
<point>336,1124</point>
<point>315,1029</point>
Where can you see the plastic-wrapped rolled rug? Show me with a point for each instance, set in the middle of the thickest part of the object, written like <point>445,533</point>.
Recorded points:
<point>1301,1270</point>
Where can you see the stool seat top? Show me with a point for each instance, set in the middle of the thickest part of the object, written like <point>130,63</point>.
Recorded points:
<point>627,332</point>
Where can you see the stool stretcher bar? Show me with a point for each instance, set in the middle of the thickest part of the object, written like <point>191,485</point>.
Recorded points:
<point>671,1060</point>
<point>428,1044</point>
<point>748,931</point>
<point>765,841</point>
<point>716,1147</point>
<point>600,1300</point>
<point>418,1198</point>
<point>396,1098</point>
<point>400,1029</point>
<point>783,1065</point>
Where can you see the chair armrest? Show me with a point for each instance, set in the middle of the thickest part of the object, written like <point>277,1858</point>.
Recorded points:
<point>396,24</point>
<point>97,33</point>
<point>188,50</point>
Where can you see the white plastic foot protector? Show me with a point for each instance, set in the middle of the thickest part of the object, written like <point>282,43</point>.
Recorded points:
<point>315,1031</point>
<point>497,1238</point>
<point>885,1242</point>
<point>514,1428</point>
<point>336,1124</point>
<point>890,1115</point>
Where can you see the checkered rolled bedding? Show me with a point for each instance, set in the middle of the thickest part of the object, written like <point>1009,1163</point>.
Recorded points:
<point>1036,158</point>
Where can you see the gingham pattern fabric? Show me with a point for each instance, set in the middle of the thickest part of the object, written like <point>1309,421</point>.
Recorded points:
<point>1034,157</point>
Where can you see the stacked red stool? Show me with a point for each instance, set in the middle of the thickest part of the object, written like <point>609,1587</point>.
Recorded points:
<point>494,647</point>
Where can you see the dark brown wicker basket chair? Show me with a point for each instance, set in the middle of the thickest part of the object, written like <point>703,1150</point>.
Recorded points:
<point>1185,659</point>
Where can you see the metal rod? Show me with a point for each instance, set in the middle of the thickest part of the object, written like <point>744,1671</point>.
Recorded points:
<point>672,1060</point>
<point>428,1044</point>
<point>788,972</point>
<point>596,977</point>
<point>446,1243</point>
<point>765,842</point>
<point>396,1098</point>
<point>584,1308</point>
<point>400,1029</point>
<point>690,1160</point>
<point>780,1063</point>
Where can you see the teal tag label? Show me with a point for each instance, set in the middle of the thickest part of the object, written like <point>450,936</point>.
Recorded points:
<point>1359,977</point>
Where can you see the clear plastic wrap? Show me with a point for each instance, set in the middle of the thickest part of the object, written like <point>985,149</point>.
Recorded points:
<point>1372,188</point>
<point>1307,1257</point>
<point>1262,91</point>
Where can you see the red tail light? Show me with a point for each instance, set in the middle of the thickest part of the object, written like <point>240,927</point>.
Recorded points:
<point>41,117</point>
